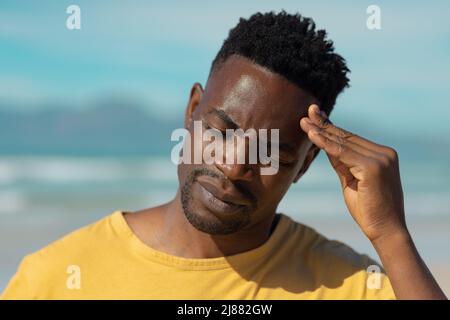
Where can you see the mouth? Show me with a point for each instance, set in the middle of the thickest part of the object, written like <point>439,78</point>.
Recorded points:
<point>221,200</point>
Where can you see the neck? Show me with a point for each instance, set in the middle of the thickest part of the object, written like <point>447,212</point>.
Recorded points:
<point>177,236</point>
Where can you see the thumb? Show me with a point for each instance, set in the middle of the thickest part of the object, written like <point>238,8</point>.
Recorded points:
<point>342,171</point>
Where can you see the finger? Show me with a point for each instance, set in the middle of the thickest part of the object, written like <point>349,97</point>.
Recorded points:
<point>343,153</point>
<point>319,118</point>
<point>307,125</point>
<point>343,170</point>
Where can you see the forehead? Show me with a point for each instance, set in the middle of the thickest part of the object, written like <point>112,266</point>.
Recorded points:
<point>254,97</point>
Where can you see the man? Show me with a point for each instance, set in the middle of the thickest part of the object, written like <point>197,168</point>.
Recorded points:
<point>220,237</point>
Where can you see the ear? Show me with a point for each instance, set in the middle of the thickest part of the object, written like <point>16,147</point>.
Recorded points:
<point>310,156</point>
<point>194,100</point>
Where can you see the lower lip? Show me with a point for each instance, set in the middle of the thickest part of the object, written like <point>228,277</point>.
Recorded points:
<point>216,205</point>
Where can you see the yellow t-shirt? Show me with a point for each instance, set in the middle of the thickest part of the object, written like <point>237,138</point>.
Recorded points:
<point>106,260</point>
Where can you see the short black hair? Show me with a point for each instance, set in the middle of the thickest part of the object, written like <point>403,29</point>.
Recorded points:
<point>289,45</point>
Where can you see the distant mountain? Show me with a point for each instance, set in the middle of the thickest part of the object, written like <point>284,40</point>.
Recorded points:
<point>122,127</point>
<point>111,128</point>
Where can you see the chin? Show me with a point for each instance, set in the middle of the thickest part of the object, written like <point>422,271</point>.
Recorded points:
<point>211,223</point>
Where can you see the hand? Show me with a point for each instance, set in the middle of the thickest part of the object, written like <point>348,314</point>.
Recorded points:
<point>369,175</point>
<point>370,181</point>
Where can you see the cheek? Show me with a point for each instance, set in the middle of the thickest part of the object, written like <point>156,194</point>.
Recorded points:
<point>192,149</point>
<point>183,171</point>
<point>276,186</point>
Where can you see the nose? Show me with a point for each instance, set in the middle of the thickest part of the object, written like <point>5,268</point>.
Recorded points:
<point>237,150</point>
<point>236,172</point>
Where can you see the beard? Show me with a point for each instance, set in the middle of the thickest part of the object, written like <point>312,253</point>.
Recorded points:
<point>209,223</point>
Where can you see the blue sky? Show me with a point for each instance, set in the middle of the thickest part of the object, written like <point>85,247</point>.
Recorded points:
<point>154,51</point>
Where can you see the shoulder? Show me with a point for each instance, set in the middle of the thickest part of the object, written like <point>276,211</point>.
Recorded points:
<point>334,264</point>
<point>40,269</point>
<point>318,248</point>
<point>79,242</point>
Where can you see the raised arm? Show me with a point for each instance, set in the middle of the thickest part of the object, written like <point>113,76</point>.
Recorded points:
<point>370,180</point>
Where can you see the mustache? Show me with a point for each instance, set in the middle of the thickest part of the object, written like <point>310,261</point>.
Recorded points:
<point>219,175</point>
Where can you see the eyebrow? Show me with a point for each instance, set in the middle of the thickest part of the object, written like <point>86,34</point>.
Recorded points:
<point>222,115</point>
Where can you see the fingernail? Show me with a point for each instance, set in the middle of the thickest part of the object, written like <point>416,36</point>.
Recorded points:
<point>316,108</point>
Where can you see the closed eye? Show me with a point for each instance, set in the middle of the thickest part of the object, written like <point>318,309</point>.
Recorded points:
<point>209,127</point>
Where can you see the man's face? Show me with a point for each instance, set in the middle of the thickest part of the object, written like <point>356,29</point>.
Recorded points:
<point>224,198</point>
